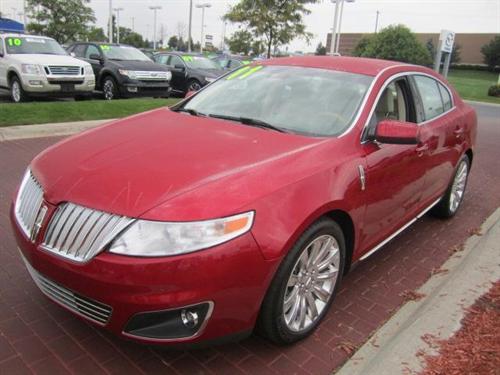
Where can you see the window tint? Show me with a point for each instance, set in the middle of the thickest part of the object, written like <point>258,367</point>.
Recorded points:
<point>162,59</point>
<point>91,50</point>
<point>431,97</point>
<point>391,104</point>
<point>79,50</point>
<point>175,60</point>
<point>445,94</point>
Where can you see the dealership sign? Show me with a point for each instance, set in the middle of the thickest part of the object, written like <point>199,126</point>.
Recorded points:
<point>447,39</point>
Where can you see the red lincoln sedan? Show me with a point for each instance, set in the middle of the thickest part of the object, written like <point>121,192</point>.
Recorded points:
<point>242,206</point>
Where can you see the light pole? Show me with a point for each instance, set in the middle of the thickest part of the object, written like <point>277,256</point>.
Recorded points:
<point>376,22</point>
<point>110,24</point>
<point>337,43</point>
<point>154,9</point>
<point>334,29</point>
<point>118,10</point>
<point>202,6</point>
<point>133,24</point>
<point>190,23</point>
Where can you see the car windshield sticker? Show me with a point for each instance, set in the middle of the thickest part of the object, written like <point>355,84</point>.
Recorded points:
<point>246,62</point>
<point>187,58</point>
<point>14,42</point>
<point>237,73</point>
<point>105,47</point>
<point>35,40</point>
<point>251,71</point>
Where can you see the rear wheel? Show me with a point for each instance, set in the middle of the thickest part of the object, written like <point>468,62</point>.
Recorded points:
<point>304,285</point>
<point>450,203</point>
<point>17,92</point>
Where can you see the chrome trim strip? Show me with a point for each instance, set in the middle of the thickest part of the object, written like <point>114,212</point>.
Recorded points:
<point>380,245</point>
<point>198,333</point>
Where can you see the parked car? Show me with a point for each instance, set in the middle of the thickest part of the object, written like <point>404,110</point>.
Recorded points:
<point>37,66</point>
<point>123,71</point>
<point>245,204</point>
<point>230,62</point>
<point>190,72</point>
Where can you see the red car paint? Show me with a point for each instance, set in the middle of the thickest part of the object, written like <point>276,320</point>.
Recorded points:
<point>167,166</point>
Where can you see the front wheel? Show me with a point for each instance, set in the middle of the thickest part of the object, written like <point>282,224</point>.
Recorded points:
<point>193,85</point>
<point>110,89</point>
<point>304,285</point>
<point>449,204</point>
<point>17,92</point>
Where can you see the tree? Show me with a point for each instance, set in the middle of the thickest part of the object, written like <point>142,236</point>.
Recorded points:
<point>277,21</point>
<point>321,50</point>
<point>96,34</point>
<point>362,45</point>
<point>63,20</point>
<point>491,53</point>
<point>395,43</point>
<point>127,36</point>
<point>240,42</point>
<point>173,42</point>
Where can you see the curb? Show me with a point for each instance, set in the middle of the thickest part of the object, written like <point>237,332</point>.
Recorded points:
<point>393,348</point>
<point>487,104</point>
<point>47,130</point>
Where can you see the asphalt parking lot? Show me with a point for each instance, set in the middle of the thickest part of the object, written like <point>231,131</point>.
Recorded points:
<point>36,336</point>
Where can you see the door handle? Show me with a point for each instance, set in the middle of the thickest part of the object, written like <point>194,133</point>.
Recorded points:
<point>420,150</point>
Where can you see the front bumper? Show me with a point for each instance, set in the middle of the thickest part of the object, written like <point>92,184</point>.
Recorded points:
<point>131,88</point>
<point>232,277</point>
<point>58,85</point>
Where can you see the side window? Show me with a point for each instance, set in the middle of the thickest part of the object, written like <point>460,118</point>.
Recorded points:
<point>162,59</point>
<point>392,104</point>
<point>430,95</point>
<point>1,47</point>
<point>234,64</point>
<point>175,60</point>
<point>91,50</point>
<point>445,95</point>
<point>79,50</point>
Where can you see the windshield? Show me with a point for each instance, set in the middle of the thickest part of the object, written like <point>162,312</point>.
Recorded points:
<point>123,53</point>
<point>199,62</point>
<point>308,101</point>
<point>26,45</point>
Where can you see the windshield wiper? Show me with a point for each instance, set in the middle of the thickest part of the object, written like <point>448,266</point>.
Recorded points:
<point>250,121</point>
<point>192,112</point>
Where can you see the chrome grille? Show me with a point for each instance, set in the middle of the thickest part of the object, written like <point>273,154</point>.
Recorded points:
<point>83,306</point>
<point>151,76</point>
<point>28,203</point>
<point>80,233</point>
<point>65,70</point>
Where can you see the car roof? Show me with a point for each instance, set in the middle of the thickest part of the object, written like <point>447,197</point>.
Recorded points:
<point>359,65</point>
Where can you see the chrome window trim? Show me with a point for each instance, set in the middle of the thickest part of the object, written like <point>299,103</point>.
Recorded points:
<point>389,81</point>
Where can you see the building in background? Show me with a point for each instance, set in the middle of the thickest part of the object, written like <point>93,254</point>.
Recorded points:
<point>470,44</point>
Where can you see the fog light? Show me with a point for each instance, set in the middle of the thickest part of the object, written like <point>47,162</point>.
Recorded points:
<point>35,83</point>
<point>189,318</point>
<point>132,89</point>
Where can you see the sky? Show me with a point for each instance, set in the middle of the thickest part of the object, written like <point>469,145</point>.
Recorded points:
<point>462,16</point>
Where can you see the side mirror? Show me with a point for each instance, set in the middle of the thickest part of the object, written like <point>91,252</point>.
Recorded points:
<point>72,54</point>
<point>95,56</point>
<point>179,67</point>
<point>190,93</point>
<point>397,132</point>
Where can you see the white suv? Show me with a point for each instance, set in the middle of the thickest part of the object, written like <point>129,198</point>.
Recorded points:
<point>38,66</point>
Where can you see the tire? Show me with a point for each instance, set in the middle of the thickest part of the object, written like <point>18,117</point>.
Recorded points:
<point>452,199</point>
<point>277,322</point>
<point>17,93</point>
<point>193,85</point>
<point>110,88</point>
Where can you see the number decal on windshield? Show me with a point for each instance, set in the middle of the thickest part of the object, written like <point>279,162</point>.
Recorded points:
<point>105,47</point>
<point>187,58</point>
<point>14,42</point>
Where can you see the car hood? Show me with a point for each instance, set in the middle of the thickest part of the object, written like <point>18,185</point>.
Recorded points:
<point>133,165</point>
<point>211,73</point>
<point>139,65</point>
<point>42,59</point>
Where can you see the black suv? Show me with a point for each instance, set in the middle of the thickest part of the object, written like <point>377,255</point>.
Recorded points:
<point>190,72</point>
<point>123,71</point>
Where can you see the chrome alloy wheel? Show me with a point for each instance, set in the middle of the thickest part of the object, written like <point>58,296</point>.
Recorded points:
<point>311,283</point>
<point>194,86</point>
<point>458,186</point>
<point>109,89</point>
<point>16,91</point>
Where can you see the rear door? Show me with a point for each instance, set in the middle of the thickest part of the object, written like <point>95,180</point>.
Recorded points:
<point>441,130</point>
<point>395,173</point>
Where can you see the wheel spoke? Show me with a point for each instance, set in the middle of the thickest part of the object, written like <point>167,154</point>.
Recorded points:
<point>330,274</point>
<point>322,294</point>
<point>290,299</point>
<point>332,257</point>
<point>294,310</point>
<point>312,305</point>
<point>302,312</point>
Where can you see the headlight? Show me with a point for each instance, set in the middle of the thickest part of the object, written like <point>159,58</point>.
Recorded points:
<point>88,69</point>
<point>209,79</point>
<point>156,238</point>
<point>129,73</point>
<point>31,69</point>
<point>169,76</point>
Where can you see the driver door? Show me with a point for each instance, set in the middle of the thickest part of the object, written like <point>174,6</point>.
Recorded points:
<point>395,173</point>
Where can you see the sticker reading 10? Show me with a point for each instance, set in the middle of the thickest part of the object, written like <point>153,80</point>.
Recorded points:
<point>14,42</point>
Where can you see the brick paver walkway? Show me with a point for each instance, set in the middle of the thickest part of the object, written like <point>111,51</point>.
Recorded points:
<point>36,336</point>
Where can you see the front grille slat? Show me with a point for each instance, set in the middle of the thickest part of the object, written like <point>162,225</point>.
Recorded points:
<point>64,70</point>
<point>28,203</point>
<point>79,233</point>
<point>95,311</point>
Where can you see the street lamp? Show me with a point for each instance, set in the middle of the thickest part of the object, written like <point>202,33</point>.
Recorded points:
<point>334,44</point>
<point>190,22</point>
<point>202,6</point>
<point>118,10</point>
<point>110,24</point>
<point>154,9</point>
